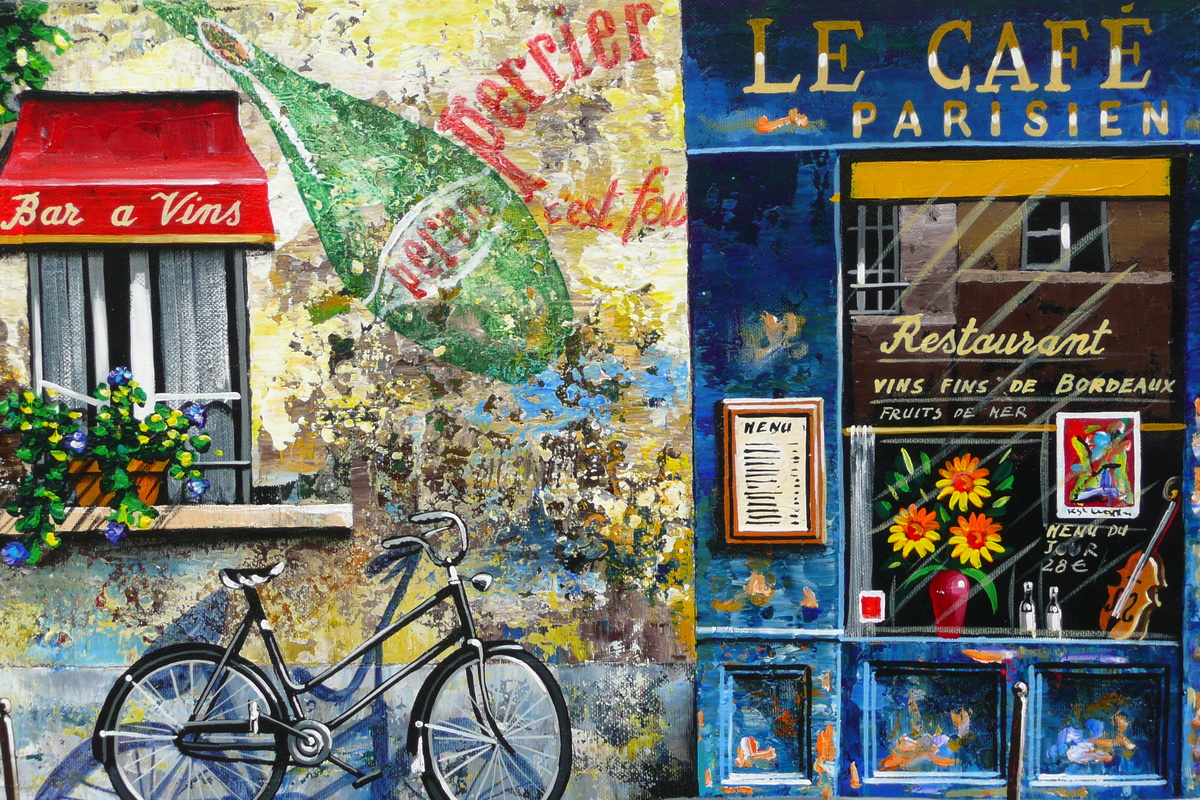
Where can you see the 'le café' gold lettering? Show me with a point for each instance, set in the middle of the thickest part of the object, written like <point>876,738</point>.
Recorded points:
<point>1123,50</point>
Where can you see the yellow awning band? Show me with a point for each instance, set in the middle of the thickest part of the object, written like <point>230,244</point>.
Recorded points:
<point>1021,177</point>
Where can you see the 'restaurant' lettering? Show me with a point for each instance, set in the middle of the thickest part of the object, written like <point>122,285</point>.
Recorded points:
<point>969,340</point>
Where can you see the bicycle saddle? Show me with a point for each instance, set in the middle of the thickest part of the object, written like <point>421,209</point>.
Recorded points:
<point>247,578</point>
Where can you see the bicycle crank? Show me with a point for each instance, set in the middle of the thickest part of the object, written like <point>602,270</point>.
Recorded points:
<point>311,742</point>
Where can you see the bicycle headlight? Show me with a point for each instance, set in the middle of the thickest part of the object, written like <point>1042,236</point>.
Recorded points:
<point>482,581</point>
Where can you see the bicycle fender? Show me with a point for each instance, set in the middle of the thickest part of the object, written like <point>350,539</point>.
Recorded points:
<point>420,709</point>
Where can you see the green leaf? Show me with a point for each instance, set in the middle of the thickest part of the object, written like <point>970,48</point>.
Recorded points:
<point>1001,502</point>
<point>1003,471</point>
<point>921,573</point>
<point>984,582</point>
<point>895,563</point>
<point>1005,484</point>
<point>907,461</point>
<point>926,464</point>
<point>943,514</point>
<point>899,482</point>
<point>120,480</point>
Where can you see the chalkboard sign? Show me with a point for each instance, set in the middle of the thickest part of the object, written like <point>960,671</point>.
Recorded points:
<point>986,508</point>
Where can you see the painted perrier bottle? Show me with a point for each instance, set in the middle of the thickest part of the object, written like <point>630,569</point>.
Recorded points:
<point>426,234</point>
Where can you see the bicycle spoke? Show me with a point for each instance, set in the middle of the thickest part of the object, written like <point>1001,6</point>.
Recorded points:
<point>482,779</point>
<point>471,756</point>
<point>157,701</point>
<point>171,773</point>
<point>531,750</point>
<point>212,773</point>
<point>152,763</point>
<point>145,737</point>
<point>170,751</point>
<point>460,733</point>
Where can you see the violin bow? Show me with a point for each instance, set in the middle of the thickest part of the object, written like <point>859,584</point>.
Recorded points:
<point>1171,493</point>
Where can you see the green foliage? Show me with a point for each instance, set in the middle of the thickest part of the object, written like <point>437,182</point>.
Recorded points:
<point>52,445</point>
<point>47,431</point>
<point>121,436</point>
<point>24,38</point>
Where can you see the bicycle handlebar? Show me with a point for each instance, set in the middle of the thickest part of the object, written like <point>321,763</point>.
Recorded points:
<point>427,518</point>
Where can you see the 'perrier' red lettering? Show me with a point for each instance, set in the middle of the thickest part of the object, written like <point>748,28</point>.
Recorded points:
<point>430,237</point>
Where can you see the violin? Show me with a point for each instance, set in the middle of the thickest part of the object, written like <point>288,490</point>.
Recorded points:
<point>1126,615</point>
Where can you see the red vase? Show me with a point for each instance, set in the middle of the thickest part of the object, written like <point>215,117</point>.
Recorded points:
<point>948,590</point>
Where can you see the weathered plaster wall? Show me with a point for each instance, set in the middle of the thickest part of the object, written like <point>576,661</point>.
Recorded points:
<point>576,483</point>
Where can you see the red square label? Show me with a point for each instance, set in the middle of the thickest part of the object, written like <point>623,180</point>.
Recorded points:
<point>870,606</point>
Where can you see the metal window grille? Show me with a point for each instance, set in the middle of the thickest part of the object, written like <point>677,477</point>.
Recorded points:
<point>875,278</point>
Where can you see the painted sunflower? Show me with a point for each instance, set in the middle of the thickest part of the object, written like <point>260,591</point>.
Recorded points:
<point>914,529</point>
<point>974,539</point>
<point>964,481</point>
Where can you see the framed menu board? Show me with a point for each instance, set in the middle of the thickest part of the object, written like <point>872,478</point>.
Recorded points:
<point>774,470</point>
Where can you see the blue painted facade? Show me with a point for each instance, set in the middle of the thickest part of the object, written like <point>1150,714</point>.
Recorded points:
<point>891,709</point>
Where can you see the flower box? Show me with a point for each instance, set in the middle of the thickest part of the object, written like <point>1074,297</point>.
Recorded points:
<point>150,478</point>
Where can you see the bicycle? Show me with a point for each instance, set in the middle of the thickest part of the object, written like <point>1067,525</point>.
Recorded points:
<point>196,720</point>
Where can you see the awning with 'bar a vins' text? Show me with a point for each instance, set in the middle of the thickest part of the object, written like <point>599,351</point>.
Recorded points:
<point>132,168</point>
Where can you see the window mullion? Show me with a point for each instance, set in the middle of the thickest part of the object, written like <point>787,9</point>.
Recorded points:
<point>35,318</point>
<point>239,372</point>
<point>141,325</point>
<point>99,303</point>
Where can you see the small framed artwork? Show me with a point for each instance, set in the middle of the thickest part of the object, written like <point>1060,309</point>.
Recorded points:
<point>774,470</point>
<point>1099,465</point>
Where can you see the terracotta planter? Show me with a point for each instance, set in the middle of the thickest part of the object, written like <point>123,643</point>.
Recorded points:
<point>949,590</point>
<point>149,479</point>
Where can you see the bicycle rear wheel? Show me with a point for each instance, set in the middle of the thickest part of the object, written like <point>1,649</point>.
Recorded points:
<point>138,730</point>
<point>464,756</point>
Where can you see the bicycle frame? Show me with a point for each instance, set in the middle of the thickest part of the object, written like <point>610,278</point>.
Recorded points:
<point>256,618</point>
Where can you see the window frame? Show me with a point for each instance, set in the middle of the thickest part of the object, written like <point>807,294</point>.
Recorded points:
<point>1067,238</point>
<point>143,342</point>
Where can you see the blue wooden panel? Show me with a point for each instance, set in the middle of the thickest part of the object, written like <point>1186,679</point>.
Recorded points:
<point>762,280</point>
<point>765,724</point>
<point>1098,725</point>
<point>784,696</point>
<point>903,704</point>
<point>928,722</point>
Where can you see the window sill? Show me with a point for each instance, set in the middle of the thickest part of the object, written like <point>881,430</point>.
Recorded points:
<point>291,517</point>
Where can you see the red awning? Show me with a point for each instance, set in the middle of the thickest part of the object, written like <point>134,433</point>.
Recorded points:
<point>148,168</point>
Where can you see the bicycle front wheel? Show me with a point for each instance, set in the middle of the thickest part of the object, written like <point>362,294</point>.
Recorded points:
<point>146,757</point>
<point>527,755</point>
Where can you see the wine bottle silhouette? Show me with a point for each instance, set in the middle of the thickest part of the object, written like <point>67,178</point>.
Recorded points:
<point>426,234</point>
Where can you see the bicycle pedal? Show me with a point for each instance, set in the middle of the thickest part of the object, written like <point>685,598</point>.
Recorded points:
<point>365,779</point>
